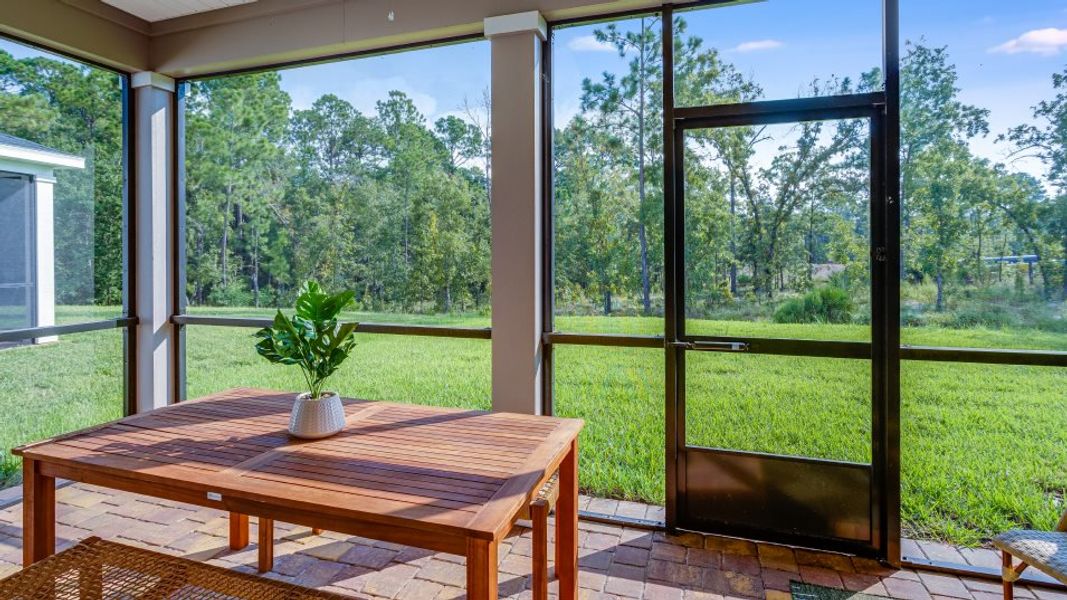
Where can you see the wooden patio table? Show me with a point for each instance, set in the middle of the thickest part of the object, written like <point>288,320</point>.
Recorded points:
<point>442,479</point>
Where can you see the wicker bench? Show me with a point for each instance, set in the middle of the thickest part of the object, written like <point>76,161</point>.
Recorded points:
<point>97,569</point>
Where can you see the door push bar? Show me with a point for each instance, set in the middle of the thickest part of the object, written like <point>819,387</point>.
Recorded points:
<point>710,346</point>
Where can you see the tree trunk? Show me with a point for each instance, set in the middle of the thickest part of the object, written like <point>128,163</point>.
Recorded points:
<point>1000,263</point>
<point>811,239</point>
<point>255,266</point>
<point>733,240</point>
<point>646,285</point>
<point>768,272</point>
<point>939,305</point>
<point>224,250</point>
<point>1063,268</point>
<point>607,302</point>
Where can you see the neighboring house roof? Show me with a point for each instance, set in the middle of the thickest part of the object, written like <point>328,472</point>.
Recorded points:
<point>18,149</point>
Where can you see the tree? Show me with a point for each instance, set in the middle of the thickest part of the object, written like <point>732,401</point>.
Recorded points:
<point>237,127</point>
<point>593,241</point>
<point>931,115</point>
<point>804,167</point>
<point>944,178</point>
<point>1023,202</point>
<point>479,113</point>
<point>628,105</point>
<point>336,151</point>
<point>462,140</point>
<point>1046,139</point>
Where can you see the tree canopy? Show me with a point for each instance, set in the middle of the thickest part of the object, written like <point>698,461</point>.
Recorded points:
<point>398,208</point>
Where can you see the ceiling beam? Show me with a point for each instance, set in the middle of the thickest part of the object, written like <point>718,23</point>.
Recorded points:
<point>85,29</point>
<point>269,32</point>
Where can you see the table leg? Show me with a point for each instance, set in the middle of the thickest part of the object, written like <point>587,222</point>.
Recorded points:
<point>266,544</point>
<point>38,513</point>
<point>539,520</point>
<point>481,569</point>
<point>567,525</point>
<point>238,531</point>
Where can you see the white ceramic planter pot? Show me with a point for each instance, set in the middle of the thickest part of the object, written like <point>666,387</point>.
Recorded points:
<point>315,419</point>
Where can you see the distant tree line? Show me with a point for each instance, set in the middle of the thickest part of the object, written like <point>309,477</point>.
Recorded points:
<point>382,203</point>
<point>766,207</point>
<point>397,208</point>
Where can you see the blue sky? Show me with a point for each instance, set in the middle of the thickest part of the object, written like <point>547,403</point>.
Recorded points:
<point>1006,53</point>
<point>438,80</point>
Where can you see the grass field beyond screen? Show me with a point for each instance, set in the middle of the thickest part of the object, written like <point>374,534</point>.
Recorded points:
<point>983,448</point>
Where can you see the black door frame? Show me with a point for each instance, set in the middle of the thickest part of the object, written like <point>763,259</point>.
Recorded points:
<point>883,476</point>
<point>838,496</point>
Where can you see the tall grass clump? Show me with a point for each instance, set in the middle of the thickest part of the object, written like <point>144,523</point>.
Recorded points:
<point>827,304</point>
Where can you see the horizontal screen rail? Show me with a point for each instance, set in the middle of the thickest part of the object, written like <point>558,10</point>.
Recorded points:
<point>765,112</point>
<point>604,339</point>
<point>1037,358</point>
<point>17,335</point>
<point>819,348</point>
<point>476,333</point>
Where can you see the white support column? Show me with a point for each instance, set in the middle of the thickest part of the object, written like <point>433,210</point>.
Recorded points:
<point>153,244</point>
<point>45,277</point>
<point>516,210</point>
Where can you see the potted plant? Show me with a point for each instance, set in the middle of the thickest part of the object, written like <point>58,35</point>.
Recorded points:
<point>314,341</point>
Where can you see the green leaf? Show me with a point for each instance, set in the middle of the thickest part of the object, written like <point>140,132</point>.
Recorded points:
<point>312,339</point>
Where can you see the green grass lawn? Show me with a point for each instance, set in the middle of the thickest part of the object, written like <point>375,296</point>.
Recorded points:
<point>984,447</point>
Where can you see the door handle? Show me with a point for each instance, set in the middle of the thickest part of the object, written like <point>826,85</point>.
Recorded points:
<point>712,346</point>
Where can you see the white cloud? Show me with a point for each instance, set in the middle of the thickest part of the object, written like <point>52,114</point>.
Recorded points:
<point>302,96</point>
<point>757,46</point>
<point>589,43</point>
<point>367,92</point>
<point>1045,42</point>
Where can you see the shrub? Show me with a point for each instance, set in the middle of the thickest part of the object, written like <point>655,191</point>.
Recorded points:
<point>234,293</point>
<point>823,305</point>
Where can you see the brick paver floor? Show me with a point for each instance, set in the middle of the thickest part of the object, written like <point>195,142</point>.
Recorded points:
<point>616,562</point>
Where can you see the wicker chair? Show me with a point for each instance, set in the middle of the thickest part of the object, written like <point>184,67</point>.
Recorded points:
<point>1046,551</point>
<point>96,569</point>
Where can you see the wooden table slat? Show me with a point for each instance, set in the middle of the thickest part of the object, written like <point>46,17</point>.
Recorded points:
<point>511,450</point>
<point>362,463</point>
<point>159,459</point>
<point>363,481</point>
<point>356,444</point>
<point>372,470</point>
<point>118,441</point>
<point>424,460</point>
<point>361,489</point>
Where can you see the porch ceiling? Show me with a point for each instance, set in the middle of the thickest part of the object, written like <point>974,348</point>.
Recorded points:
<point>186,38</point>
<point>159,10</point>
